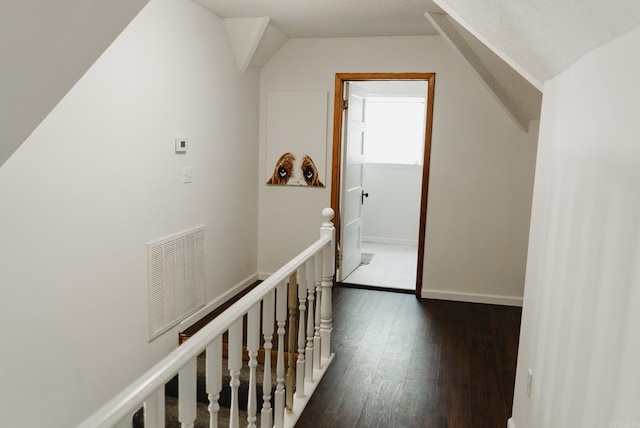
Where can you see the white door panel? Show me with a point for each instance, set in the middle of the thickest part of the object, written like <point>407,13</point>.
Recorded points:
<point>352,176</point>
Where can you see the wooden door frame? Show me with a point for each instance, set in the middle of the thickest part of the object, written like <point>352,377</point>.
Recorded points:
<point>336,165</point>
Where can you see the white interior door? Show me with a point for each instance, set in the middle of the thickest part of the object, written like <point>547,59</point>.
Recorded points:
<point>352,176</point>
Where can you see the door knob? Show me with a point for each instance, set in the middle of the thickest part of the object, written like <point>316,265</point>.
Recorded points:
<point>364,195</point>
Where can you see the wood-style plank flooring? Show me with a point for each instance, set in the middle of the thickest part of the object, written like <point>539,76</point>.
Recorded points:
<point>401,362</point>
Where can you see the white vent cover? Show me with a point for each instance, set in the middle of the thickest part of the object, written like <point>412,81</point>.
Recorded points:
<point>175,279</point>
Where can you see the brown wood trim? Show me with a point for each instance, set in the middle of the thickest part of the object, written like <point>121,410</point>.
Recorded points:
<point>337,152</point>
<point>426,167</point>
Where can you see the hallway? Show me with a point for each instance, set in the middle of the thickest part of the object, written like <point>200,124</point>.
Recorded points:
<point>401,362</point>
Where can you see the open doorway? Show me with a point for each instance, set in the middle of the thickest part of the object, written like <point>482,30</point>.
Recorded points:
<point>380,176</point>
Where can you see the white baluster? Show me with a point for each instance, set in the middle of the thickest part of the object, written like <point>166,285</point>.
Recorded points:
<point>214,379</point>
<point>317,363</point>
<point>253,343</point>
<point>235,364</point>
<point>308,355</point>
<point>281,319</point>
<point>326,316</point>
<point>267,330</point>
<point>154,410</point>
<point>302,307</point>
<point>187,394</point>
<point>291,302</point>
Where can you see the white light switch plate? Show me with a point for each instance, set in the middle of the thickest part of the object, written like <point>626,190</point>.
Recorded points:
<point>186,174</point>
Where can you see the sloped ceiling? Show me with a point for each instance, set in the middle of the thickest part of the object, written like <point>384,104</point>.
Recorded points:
<point>505,41</point>
<point>353,18</point>
<point>45,47</point>
<point>244,36</point>
<point>519,98</point>
<point>538,38</point>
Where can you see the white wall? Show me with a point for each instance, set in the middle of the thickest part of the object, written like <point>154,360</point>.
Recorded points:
<point>391,213</point>
<point>481,176</point>
<point>581,310</point>
<point>98,180</point>
<point>45,48</point>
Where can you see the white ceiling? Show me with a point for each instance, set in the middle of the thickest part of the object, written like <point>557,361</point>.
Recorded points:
<point>541,38</point>
<point>333,18</point>
<point>506,41</point>
<point>520,99</point>
<point>538,38</point>
<point>362,18</point>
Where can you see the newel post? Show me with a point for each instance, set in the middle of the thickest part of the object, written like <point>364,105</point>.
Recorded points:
<point>328,267</point>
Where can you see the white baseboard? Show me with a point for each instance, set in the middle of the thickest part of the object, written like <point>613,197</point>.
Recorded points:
<point>188,322</point>
<point>491,299</point>
<point>262,275</point>
<point>510,423</point>
<point>391,241</point>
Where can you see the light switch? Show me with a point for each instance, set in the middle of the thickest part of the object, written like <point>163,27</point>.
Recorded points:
<point>186,174</point>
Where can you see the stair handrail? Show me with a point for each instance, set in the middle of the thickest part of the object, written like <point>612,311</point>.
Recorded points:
<point>125,403</point>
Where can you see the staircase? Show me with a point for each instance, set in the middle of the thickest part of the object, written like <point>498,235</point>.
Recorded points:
<point>194,386</point>
<point>202,412</point>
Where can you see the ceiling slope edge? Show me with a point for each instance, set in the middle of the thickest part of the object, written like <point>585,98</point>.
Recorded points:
<point>535,81</point>
<point>244,36</point>
<point>522,102</point>
<point>272,40</point>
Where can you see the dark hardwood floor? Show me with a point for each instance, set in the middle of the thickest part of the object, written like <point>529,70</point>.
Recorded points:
<point>401,362</point>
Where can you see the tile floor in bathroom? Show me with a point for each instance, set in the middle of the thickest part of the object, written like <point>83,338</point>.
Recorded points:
<point>392,266</point>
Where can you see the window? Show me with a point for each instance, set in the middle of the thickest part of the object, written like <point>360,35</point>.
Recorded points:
<point>394,130</point>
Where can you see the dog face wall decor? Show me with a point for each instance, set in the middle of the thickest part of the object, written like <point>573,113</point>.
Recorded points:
<point>292,170</point>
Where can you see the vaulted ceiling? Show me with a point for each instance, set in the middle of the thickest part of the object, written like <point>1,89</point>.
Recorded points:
<point>541,38</point>
<point>538,38</point>
<point>354,18</point>
<point>514,45</point>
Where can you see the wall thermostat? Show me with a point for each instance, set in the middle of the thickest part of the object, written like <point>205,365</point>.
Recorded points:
<point>181,145</point>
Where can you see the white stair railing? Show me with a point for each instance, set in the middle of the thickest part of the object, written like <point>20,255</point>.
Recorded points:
<point>311,295</point>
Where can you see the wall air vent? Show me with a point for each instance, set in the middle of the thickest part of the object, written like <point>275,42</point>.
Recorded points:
<point>175,279</point>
